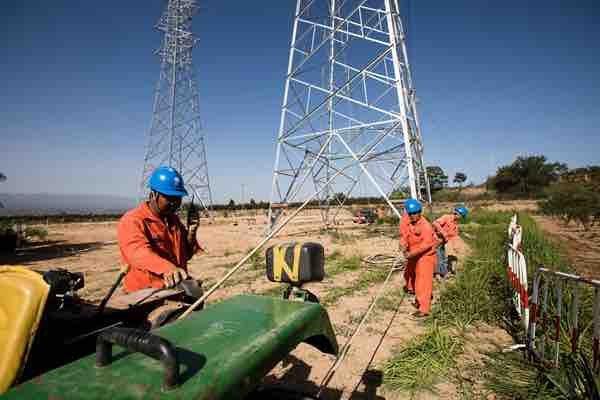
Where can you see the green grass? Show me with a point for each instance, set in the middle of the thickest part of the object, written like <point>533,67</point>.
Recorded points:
<point>336,264</point>
<point>390,300</point>
<point>423,361</point>
<point>483,216</point>
<point>364,281</point>
<point>480,293</point>
<point>341,237</point>
<point>38,232</point>
<point>510,376</point>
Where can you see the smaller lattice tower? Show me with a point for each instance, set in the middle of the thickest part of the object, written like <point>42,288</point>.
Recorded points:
<point>175,137</point>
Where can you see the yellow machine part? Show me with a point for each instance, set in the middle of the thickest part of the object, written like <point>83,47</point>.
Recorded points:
<point>23,297</point>
<point>280,265</point>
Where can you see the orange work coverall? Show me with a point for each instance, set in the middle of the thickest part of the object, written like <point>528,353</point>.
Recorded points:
<point>447,227</point>
<point>409,270</point>
<point>419,238</point>
<point>150,247</point>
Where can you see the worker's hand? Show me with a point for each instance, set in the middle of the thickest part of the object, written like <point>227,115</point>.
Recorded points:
<point>172,278</point>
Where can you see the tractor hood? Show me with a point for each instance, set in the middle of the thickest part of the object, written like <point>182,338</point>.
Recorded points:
<point>224,352</point>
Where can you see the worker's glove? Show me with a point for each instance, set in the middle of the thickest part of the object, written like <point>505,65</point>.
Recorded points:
<point>172,278</point>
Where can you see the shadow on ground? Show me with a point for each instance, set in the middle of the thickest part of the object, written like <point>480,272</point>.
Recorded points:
<point>47,250</point>
<point>296,379</point>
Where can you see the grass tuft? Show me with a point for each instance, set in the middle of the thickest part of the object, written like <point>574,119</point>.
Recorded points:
<point>425,359</point>
<point>364,281</point>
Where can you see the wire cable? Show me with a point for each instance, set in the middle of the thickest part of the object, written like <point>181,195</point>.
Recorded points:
<point>395,263</point>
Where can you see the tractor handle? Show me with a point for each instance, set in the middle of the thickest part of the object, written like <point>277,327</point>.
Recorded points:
<point>140,341</point>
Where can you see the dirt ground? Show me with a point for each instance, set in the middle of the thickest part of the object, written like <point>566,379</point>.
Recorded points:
<point>582,246</point>
<point>92,249</point>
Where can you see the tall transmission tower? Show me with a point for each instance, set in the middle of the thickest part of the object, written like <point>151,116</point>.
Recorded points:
<point>349,108</point>
<point>175,137</point>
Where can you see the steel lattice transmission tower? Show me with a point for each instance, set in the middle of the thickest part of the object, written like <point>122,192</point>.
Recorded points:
<point>175,137</point>
<point>349,116</point>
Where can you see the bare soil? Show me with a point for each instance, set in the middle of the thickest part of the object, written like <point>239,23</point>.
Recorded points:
<point>92,249</point>
<point>581,246</point>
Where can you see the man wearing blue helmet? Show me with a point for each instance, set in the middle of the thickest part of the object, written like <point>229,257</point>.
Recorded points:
<point>418,243</point>
<point>446,228</point>
<point>153,242</point>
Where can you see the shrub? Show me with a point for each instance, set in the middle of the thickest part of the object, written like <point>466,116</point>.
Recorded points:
<point>573,202</point>
<point>38,232</point>
<point>527,176</point>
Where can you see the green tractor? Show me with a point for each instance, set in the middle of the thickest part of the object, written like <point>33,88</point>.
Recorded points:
<point>220,352</point>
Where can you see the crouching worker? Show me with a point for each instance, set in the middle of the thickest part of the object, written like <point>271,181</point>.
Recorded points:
<point>446,229</point>
<point>418,242</point>
<point>153,242</point>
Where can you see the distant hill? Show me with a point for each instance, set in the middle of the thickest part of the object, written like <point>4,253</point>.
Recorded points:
<point>51,204</point>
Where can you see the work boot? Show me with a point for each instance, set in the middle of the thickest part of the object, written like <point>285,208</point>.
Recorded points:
<point>418,316</point>
<point>408,291</point>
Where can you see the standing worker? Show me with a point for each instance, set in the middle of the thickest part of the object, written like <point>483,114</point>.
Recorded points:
<point>446,229</point>
<point>418,242</point>
<point>153,242</point>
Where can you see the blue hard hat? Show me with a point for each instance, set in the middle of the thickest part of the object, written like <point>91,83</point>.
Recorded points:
<point>412,206</point>
<point>167,181</point>
<point>462,211</point>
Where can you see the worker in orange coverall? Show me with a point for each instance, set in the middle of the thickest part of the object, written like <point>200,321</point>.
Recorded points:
<point>446,229</point>
<point>418,242</point>
<point>409,270</point>
<point>153,242</point>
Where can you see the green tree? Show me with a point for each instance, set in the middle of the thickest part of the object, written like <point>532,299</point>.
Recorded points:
<point>573,202</point>
<point>437,178</point>
<point>460,178</point>
<point>587,175</point>
<point>231,204</point>
<point>527,176</point>
<point>252,204</point>
<point>400,193</point>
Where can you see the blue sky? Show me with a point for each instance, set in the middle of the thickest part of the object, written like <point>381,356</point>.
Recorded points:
<point>494,81</point>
